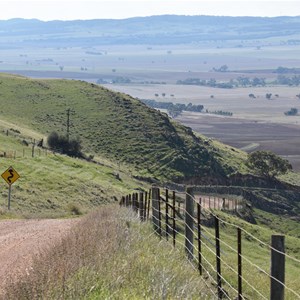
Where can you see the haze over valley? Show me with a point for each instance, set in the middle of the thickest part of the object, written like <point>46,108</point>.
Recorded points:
<point>226,64</point>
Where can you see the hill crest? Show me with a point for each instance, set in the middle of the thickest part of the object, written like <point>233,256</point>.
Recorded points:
<point>114,125</point>
<point>144,30</point>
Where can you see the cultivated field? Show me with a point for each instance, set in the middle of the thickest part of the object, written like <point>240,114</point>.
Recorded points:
<point>140,63</point>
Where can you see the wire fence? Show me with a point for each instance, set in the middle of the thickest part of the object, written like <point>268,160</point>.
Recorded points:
<point>25,152</point>
<point>235,263</point>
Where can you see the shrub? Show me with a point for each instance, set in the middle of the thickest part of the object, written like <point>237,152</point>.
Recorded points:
<point>61,144</point>
<point>75,209</point>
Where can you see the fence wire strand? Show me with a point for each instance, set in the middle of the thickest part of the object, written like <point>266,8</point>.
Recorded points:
<point>180,212</point>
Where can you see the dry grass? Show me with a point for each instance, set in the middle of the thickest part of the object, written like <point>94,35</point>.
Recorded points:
<point>110,255</point>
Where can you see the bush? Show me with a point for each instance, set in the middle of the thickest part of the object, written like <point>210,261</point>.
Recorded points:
<point>61,144</point>
<point>75,209</point>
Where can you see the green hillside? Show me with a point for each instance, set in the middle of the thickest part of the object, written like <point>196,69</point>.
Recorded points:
<point>55,185</point>
<point>115,126</point>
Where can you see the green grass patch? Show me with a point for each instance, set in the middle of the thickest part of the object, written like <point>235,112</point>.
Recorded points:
<point>55,185</point>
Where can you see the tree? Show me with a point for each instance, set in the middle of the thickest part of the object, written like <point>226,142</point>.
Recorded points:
<point>258,81</point>
<point>268,164</point>
<point>244,81</point>
<point>223,68</point>
<point>292,112</point>
<point>268,96</point>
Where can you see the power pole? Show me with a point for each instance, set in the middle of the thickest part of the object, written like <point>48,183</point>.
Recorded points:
<point>69,111</point>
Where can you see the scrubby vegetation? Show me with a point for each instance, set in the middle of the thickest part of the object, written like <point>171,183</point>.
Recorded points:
<point>64,145</point>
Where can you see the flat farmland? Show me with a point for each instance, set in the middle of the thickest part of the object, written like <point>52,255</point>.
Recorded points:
<point>234,100</point>
<point>283,139</point>
<point>167,63</point>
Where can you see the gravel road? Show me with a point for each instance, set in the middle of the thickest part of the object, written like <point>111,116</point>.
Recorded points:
<point>21,240</point>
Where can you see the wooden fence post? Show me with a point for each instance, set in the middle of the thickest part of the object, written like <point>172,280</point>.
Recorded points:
<point>148,205</point>
<point>133,201</point>
<point>199,236</point>
<point>239,238</point>
<point>156,209</point>
<point>174,218</point>
<point>189,222</point>
<point>159,217</point>
<point>218,259</point>
<point>145,206</point>
<point>277,267</point>
<point>167,214</point>
<point>122,202</point>
<point>141,206</point>
<point>32,150</point>
<point>136,203</point>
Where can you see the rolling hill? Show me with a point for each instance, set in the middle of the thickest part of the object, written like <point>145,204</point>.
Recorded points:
<point>145,30</point>
<point>53,185</point>
<point>118,127</point>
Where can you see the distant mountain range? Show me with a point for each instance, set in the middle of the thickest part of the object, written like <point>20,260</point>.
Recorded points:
<point>165,29</point>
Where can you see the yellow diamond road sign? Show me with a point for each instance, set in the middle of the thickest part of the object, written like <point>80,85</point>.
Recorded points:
<point>10,175</point>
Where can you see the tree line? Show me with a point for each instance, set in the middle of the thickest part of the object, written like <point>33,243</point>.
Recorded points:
<point>174,109</point>
<point>240,81</point>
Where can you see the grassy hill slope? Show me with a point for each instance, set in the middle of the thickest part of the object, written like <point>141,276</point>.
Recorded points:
<point>113,125</point>
<point>57,185</point>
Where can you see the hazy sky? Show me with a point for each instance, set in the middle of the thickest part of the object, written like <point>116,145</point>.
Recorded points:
<point>117,9</point>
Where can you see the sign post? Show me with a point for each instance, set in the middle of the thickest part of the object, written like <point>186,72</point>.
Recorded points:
<point>10,176</point>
